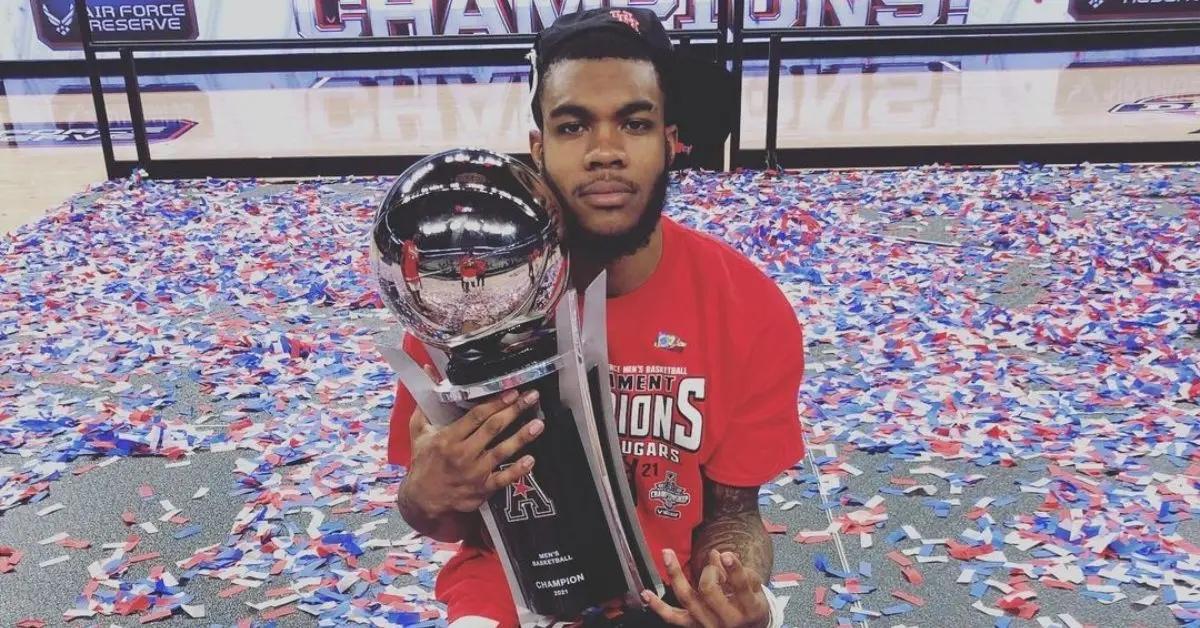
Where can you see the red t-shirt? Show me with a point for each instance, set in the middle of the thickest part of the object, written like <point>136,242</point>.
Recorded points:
<point>706,360</point>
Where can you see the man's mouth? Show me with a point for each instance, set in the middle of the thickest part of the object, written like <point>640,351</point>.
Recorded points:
<point>606,193</point>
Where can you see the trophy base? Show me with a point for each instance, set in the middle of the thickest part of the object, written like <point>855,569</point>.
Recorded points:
<point>480,361</point>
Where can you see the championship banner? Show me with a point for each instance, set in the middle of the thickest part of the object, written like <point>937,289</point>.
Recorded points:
<point>379,18</point>
<point>49,29</point>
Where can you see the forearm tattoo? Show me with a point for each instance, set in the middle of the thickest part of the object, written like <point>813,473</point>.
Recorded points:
<point>732,523</point>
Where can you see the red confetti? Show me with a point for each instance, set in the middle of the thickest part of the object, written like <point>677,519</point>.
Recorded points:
<point>913,576</point>
<point>9,557</point>
<point>231,591</point>
<point>915,600</point>
<point>72,543</point>
<point>900,559</point>
<point>144,557</point>
<point>155,615</point>
<point>282,611</point>
<point>85,468</point>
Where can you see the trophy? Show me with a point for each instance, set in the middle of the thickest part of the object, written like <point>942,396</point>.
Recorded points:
<point>466,248</point>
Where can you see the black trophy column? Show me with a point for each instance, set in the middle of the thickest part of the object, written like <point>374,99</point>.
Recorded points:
<point>552,522</point>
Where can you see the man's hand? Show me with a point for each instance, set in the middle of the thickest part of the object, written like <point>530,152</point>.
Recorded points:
<point>453,469</point>
<point>728,595</point>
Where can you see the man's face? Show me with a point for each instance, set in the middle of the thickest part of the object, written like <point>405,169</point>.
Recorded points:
<point>605,149</point>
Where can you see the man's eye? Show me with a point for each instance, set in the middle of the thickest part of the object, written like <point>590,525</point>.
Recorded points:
<point>639,125</point>
<point>570,128</point>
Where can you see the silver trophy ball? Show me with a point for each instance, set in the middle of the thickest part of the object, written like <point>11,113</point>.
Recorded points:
<point>466,245</point>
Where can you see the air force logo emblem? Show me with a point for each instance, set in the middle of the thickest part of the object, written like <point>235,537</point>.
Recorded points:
<point>62,25</point>
<point>526,500</point>
<point>671,495</point>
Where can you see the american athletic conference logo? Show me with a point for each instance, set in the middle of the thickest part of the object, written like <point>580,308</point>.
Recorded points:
<point>526,500</point>
<point>1187,104</point>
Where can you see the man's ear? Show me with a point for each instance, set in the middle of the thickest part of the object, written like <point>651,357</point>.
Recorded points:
<point>535,147</point>
<point>672,142</point>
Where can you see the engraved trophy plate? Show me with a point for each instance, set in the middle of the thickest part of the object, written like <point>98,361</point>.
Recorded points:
<point>467,251</point>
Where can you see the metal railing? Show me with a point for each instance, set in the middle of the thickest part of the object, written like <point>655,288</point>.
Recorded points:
<point>390,52</point>
<point>965,40</point>
<point>730,45</point>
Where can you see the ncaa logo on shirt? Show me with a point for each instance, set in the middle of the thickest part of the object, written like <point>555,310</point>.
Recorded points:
<point>526,500</point>
<point>671,495</point>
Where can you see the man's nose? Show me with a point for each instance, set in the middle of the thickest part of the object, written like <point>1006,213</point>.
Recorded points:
<point>607,149</point>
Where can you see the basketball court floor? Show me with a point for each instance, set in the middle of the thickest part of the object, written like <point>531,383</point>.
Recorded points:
<point>994,358</point>
<point>856,102</point>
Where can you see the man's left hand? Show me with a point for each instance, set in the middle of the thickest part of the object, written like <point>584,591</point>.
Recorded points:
<point>727,595</point>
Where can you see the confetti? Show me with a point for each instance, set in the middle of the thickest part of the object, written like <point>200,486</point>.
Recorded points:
<point>53,539</point>
<point>186,532</point>
<point>9,558</point>
<point>50,509</point>
<point>1048,330</point>
<point>54,561</point>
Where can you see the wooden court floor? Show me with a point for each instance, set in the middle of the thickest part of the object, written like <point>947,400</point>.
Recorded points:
<point>1126,103</point>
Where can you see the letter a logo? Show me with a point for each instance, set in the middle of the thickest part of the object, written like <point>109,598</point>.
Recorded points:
<point>526,500</point>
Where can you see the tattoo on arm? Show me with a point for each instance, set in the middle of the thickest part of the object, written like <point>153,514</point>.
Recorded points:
<point>732,523</point>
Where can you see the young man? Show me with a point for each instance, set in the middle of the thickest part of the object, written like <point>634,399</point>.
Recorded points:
<point>706,352</point>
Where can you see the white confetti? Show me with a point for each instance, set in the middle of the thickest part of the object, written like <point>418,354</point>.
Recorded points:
<point>53,539</point>
<point>200,492</point>
<point>54,561</point>
<point>1070,621</point>
<point>987,610</point>
<point>314,524</point>
<point>50,509</point>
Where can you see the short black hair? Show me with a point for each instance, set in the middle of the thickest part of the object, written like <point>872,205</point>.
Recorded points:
<point>599,44</point>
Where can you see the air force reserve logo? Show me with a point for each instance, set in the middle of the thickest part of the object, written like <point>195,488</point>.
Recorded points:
<point>110,20</point>
<point>1187,104</point>
<point>671,495</point>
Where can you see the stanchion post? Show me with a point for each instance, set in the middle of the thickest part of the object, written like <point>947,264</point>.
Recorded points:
<point>93,66</point>
<point>723,30</point>
<point>137,117</point>
<point>774,67</point>
<point>735,136</point>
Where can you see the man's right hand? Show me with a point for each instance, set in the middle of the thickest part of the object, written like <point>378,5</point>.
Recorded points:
<point>453,468</point>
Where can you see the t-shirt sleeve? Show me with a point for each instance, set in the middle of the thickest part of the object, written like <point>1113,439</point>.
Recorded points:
<point>763,435</point>
<point>399,442</point>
